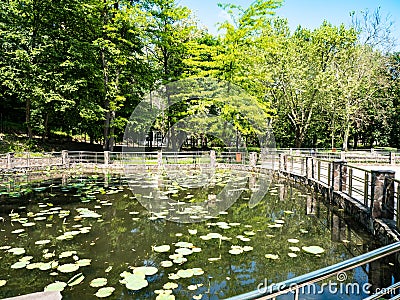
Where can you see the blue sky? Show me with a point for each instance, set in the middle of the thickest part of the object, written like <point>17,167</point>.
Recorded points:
<point>308,13</point>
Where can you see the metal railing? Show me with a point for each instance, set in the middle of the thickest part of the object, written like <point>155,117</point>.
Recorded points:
<point>296,283</point>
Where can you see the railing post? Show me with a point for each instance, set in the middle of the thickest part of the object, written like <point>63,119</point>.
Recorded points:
<point>366,181</point>
<point>398,207</point>
<point>212,159</point>
<point>106,158</point>
<point>319,170</point>
<point>253,159</point>
<point>392,158</point>
<point>339,175</point>
<point>382,194</point>
<point>159,160</point>
<point>10,160</point>
<point>283,162</point>
<point>350,182</point>
<point>64,158</point>
<point>308,167</point>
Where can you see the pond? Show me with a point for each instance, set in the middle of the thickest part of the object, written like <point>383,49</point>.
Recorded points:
<point>89,236</point>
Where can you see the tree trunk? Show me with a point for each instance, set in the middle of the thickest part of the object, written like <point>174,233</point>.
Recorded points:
<point>28,117</point>
<point>346,137</point>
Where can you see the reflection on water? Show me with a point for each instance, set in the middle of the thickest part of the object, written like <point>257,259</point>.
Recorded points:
<point>65,212</point>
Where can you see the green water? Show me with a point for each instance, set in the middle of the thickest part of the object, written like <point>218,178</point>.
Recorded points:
<point>115,233</point>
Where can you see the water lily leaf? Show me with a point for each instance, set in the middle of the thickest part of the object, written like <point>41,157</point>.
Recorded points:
<point>292,254</point>
<point>135,282</point>
<point>104,292</point>
<point>26,258</point>
<point>16,251</point>
<point>170,286</point>
<point>236,251</point>
<point>3,282</point>
<point>184,251</point>
<point>249,233</point>
<point>66,254</point>
<point>247,248</point>
<point>5,247</point>
<point>145,270</point>
<point>165,296</point>
<point>42,242</point>
<point>293,241</point>
<point>214,258</point>
<point>75,280</point>
<point>57,286</point>
<point>185,273</point>
<point>166,263</point>
<point>28,224</point>
<point>294,249</point>
<point>84,262</point>
<point>162,248</point>
<point>313,249</point>
<point>192,231</point>
<point>98,282</point>
<point>271,256</point>
<point>67,268</point>
<point>184,245</point>
<point>108,269</point>
<point>173,276</point>
<point>18,231</point>
<point>19,265</point>
<point>198,271</point>
<point>197,297</point>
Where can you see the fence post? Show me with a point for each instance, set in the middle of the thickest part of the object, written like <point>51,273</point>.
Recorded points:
<point>253,159</point>
<point>159,159</point>
<point>212,159</point>
<point>382,194</point>
<point>309,167</point>
<point>339,175</point>
<point>64,158</point>
<point>106,158</point>
<point>283,162</point>
<point>10,160</point>
<point>392,158</point>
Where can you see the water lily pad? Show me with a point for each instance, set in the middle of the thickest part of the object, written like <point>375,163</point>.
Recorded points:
<point>17,251</point>
<point>236,251</point>
<point>173,276</point>
<point>42,242</point>
<point>192,231</point>
<point>166,263</point>
<point>185,273</point>
<point>18,231</point>
<point>198,271</point>
<point>184,244</point>
<point>26,258</point>
<point>165,296</point>
<point>28,224</point>
<point>75,280</point>
<point>271,256</point>
<point>313,249</point>
<point>83,262</point>
<point>67,268</point>
<point>294,249</point>
<point>145,270</point>
<point>104,292</point>
<point>3,282</point>
<point>135,282</point>
<point>66,254</point>
<point>293,241</point>
<point>184,251</point>
<point>162,248</point>
<point>170,286</point>
<point>57,286</point>
<point>19,265</point>
<point>98,282</point>
<point>192,287</point>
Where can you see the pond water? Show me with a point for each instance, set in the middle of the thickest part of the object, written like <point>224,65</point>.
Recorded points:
<point>90,232</point>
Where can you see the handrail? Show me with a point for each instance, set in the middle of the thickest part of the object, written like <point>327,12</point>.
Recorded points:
<point>287,286</point>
